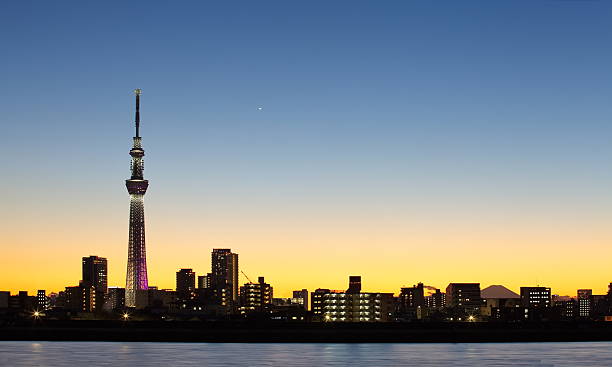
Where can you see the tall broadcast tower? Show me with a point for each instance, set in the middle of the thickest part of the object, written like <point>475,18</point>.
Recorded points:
<point>136,277</point>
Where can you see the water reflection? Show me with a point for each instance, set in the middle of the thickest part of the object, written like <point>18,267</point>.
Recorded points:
<point>94,354</point>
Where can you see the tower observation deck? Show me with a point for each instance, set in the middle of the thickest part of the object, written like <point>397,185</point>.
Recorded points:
<point>136,277</point>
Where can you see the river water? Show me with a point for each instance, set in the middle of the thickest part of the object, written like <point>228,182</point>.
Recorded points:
<point>93,354</point>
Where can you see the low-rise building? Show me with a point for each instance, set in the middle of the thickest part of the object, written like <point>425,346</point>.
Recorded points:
<point>204,281</point>
<point>316,300</point>
<point>81,298</point>
<point>536,297</point>
<point>353,306</point>
<point>358,307</point>
<point>411,302</point>
<point>302,295</point>
<point>154,298</point>
<point>464,299</point>
<point>436,300</point>
<point>255,297</point>
<point>4,299</point>
<point>115,299</point>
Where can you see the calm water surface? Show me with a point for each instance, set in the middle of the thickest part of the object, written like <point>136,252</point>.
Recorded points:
<point>93,354</point>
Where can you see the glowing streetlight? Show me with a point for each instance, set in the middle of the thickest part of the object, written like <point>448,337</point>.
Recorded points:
<point>471,318</point>
<point>125,316</point>
<point>36,314</point>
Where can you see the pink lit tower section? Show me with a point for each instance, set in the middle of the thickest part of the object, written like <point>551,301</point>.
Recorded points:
<point>136,277</point>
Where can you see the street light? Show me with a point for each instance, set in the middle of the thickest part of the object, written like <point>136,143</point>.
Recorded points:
<point>125,316</point>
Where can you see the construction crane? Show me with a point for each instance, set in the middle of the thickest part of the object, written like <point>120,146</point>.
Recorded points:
<point>246,276</point>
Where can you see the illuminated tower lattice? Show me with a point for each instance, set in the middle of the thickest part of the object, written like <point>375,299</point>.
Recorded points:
<point>136,277</point>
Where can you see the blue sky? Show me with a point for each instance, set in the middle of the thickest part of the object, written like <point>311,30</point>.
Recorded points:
<point>450,108</point>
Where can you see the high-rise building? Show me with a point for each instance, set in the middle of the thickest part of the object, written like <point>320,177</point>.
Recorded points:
<point>536,297</point>
<point>585,302</point>
<point>303,296</point>
<point>136,277</point>
<point>464,296</point>
<point>224,277</point>
<point>95,273</point>
<point>255,297</point>
<point>42,301</point>
<point>354,284</point>
<point>185,283</point>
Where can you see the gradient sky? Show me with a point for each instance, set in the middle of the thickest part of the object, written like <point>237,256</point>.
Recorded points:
<point>404,141</point>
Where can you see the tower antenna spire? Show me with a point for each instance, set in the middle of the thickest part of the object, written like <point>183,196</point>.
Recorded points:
<point>137,92</point>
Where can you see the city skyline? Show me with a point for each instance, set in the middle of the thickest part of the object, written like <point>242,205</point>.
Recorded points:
<point>186,276</point>
<point>217,297</point>
<point>403,144</point>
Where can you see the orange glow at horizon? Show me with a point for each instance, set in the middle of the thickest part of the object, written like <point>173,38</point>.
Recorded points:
<point>304,250</point>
